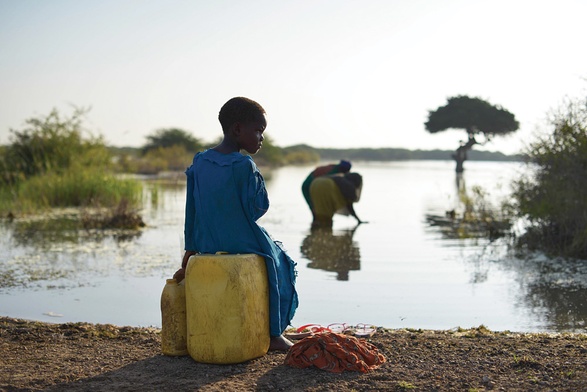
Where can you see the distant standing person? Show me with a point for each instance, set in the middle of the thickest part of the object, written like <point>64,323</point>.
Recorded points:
<point>335,194</point>
<point>334,168</point>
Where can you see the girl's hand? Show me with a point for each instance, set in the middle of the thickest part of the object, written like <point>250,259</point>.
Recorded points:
<point>186,257</point>
<point>179,275</point>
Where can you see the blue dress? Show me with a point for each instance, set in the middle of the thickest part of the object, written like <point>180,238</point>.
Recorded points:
<point>225,196</point>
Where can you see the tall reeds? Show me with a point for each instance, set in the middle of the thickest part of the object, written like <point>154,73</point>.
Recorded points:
<point>76,188</point>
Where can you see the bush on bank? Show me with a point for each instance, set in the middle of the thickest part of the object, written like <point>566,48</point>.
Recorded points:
<point>552,197</point>
<point>55,162</point>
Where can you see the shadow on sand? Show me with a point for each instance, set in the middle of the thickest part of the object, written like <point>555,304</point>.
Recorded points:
<point>162,373</point>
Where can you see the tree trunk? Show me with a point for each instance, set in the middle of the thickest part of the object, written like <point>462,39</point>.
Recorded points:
<point>460,156</point>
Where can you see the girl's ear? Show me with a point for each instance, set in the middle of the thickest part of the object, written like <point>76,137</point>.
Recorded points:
<point>236,129</point>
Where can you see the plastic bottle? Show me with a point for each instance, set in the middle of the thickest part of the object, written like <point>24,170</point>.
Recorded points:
<point>173,319</point>
<point>227,299</point>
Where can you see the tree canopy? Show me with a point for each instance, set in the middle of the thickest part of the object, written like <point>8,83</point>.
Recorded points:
<point>473,115</point>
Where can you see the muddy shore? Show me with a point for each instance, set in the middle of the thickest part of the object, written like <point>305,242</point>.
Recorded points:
<point>97,357</point>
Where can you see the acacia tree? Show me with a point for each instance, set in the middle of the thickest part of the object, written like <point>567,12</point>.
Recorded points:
<point>477,117</point>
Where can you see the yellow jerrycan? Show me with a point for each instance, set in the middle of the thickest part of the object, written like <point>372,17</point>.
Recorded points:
<point>173,319</point>
<point>227,307</point>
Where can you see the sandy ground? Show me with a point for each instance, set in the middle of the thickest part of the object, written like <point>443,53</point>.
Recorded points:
<point>88,357</point>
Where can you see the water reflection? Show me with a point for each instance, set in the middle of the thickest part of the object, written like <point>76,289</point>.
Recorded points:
<point>49,232</point>
<point>472,215</point>
<point>332,252</point>
<point>554,288</point>
<point>56,252</point>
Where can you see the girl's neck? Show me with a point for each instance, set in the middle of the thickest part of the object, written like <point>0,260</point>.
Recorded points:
<point>225,147</point>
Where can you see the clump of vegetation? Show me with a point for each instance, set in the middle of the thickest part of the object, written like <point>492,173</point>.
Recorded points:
<point>172,137</point>
<point>552,196</point>
<point>162,159</point>
<point>476,217</point>
<point>166,150</point>
<point>526,362</point>
<point>122,217</point>
<point>481,216</point>
<point>54,162</point>
<point>404,385</point>
<point>303,154</point>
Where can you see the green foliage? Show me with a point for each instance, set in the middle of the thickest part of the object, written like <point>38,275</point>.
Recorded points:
<point>404,385</point>
<point>51,164</point>
<point>122,217</point>
<point>129,160</point>
<point>50,144</point>
<point>472,114</point>
<point>174,158</point>
<point>171,137</point>
<point>474,218</point>
<point>475,116</point>
<point>552,195</point>
<point>77,188</point>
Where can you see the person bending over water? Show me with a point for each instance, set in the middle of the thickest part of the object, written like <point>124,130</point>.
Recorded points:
<point>335,194</point>
<point>341,167</point>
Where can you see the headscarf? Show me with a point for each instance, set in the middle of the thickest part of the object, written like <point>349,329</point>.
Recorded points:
<point>344,166</point>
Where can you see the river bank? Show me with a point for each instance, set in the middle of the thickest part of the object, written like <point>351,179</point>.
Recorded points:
<point>82,357</point>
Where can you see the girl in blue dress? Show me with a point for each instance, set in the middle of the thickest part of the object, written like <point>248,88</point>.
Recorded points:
<point>225,196</point>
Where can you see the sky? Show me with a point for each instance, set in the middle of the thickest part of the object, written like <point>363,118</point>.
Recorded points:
<point>329,73</point>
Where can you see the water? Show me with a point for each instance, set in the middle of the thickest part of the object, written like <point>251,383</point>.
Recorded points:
<point>395,271</point>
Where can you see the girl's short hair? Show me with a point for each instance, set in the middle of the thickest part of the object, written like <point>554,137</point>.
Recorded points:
<point>239,109</point>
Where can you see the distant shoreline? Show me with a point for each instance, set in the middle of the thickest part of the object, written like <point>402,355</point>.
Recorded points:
<point>400,154</point>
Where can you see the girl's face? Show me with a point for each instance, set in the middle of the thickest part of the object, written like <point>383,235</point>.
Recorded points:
<point>250,135</point>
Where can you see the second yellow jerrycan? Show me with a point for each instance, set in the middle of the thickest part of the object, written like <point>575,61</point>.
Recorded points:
<point>227,307</point>
<point>173,319</point>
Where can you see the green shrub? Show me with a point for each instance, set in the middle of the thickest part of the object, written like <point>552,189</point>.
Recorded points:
<point>174,158</point>
<point>80,188</point>
<point>552,197</point>
<point>51,164</point>
<point>171,137</point>
<point>51,144</point>
<point>73,188</point>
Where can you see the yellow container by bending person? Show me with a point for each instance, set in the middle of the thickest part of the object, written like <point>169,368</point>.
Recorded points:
<point>173,319</point>
<point>227,300</point>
